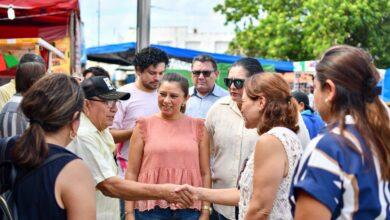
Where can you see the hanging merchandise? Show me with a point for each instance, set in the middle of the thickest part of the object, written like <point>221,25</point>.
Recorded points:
<point>10,60</point>
<point>3,66</point>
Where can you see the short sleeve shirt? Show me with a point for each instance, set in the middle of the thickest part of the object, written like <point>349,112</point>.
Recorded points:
<point>6,92</point>
<point>96,149</point>
<point>12,120</point>
<point>335,172</point>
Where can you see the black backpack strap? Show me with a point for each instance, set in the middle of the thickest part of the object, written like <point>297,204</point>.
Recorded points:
<point>3,150</point>
<point>5,209</point>
<point>6,166</point>
<point>46,162</point>
<point>7,181</point>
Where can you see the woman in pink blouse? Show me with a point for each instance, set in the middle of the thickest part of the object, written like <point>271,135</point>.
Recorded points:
<point>169,147</point>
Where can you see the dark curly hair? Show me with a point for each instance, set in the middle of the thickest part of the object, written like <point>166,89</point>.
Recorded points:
<point>280,109</point>
<point>149,56</point>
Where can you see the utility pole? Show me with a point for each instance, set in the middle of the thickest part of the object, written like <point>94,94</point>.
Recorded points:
<point>143,24</point>
<point>98,12</point>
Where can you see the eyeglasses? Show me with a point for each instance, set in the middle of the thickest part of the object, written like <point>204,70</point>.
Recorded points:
<point>238,83</point>
<point>206,73</point>
<point>109,103</point>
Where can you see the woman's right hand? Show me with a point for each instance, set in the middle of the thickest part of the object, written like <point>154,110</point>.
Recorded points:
<point>189,190</point>
<point>177,195</point>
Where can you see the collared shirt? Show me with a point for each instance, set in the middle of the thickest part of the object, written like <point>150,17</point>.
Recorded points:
<point>141,104</point>
<point>6,92</point>
<point>96,149</point>
<point>197,106</point>
<point>13,121</point>
<point>232,144</point>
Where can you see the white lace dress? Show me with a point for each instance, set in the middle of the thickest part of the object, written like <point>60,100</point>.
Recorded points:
<point>281,209</point>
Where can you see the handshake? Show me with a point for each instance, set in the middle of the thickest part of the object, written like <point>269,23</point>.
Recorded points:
<point>182,196</point>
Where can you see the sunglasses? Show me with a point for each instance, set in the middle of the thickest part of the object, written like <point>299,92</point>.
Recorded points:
<point>206,73</point>
<point>238,83</point>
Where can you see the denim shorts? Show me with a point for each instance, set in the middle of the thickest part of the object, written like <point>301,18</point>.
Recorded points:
<point>167,214</point>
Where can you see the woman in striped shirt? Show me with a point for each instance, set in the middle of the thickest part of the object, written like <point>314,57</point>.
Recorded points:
<point>345,171</point>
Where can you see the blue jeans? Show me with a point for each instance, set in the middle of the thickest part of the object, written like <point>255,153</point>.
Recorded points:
<point>122,207</point>
<point>167,214</point>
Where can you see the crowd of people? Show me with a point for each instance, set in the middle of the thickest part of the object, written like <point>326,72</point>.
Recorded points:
<point>160,149</point>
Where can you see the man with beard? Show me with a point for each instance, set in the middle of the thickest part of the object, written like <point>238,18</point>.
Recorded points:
<point>150,64</point>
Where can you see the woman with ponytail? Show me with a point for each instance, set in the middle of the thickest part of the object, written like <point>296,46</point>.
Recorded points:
<point>52,182</point>
<point>345,171</point>
<point>265,180</point>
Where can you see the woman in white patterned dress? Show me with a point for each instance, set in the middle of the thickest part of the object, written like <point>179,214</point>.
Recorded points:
<point>265,182</point>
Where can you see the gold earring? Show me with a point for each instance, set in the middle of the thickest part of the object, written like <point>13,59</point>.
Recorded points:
<point>71,135</point>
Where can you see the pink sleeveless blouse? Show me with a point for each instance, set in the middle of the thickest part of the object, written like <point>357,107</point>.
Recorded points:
<point>170,155</point>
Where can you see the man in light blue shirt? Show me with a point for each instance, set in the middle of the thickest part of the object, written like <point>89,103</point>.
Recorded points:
<point>205,92</point>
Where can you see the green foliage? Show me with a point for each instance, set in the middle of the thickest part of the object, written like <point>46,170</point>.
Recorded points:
<point>185,73</point>
<point>223,69</point>
<point>303,29</point>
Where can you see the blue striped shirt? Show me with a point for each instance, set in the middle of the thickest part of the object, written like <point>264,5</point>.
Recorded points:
<point>341,178</point>
<point>12,120</point>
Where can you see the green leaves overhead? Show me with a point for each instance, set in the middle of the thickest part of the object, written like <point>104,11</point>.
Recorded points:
<point>302,30</point>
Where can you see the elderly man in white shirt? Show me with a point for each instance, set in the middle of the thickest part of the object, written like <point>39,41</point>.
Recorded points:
<point>231,142</point>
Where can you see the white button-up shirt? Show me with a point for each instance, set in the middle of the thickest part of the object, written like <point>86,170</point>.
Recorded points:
<point>231,144</point>
<point>96,149</point>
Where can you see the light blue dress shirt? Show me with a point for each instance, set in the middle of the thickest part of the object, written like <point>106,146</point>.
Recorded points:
<point>198,106</point>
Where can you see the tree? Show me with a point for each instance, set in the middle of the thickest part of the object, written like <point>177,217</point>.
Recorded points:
<point>303,29</point>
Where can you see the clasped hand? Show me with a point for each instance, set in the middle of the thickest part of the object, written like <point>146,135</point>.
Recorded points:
<point>182,196</point>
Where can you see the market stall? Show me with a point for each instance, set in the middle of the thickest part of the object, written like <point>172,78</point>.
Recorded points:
<point>13,49</point>
<point>55,23</point>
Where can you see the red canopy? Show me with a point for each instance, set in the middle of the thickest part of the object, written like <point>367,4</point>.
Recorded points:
<point>48,19</point>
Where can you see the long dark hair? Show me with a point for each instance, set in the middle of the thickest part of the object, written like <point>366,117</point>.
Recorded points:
<point>50,104</point>
<point>251,65</point>
<point>280,109</point>
<point>27,74</point>
<point>181,80</point>
<point>355,77</point>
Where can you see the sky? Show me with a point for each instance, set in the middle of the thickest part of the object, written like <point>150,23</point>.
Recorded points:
<point>117,16</point>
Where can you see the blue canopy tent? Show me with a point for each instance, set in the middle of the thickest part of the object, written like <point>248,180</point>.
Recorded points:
<point>386,87</point>
<point>123,54</point>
